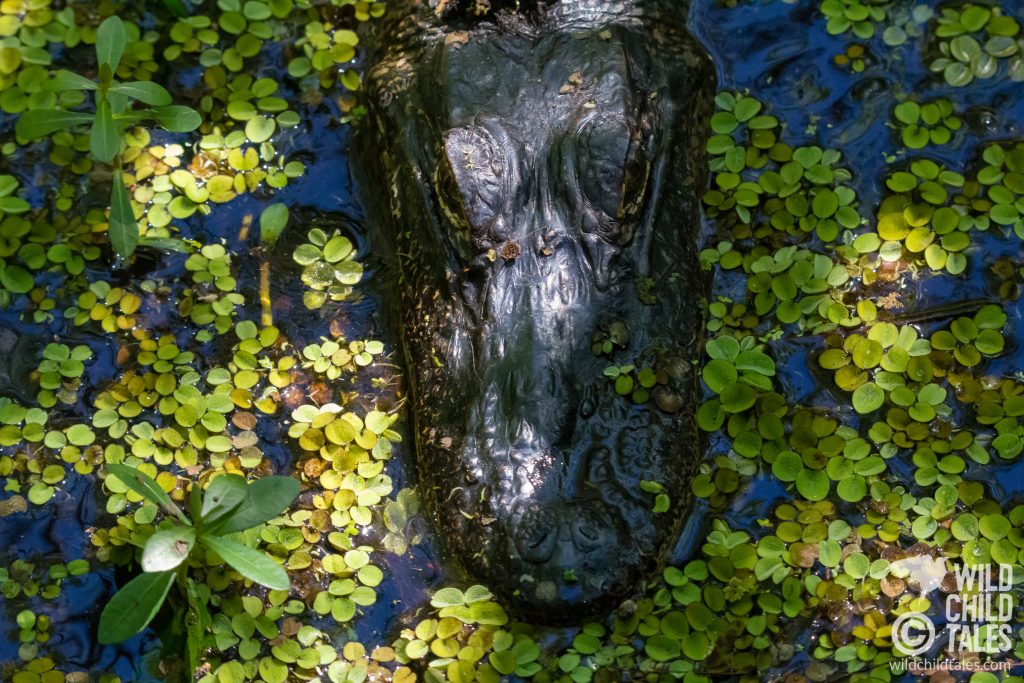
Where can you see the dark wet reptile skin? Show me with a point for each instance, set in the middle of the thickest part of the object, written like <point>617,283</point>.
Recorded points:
<point>18,357</point>
<point>527,169</point>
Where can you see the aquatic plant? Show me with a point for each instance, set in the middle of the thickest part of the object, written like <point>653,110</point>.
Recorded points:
<point>229,505</point>
<point>466,638</point>
<point>972,40</point>
<point>329,267</point>
<point>608,337</point>
<point>330,358</point>
<point>212,299</point>
<point>864,19</point>
<point>909,389</point>
<point>762,184</point>
<point>630,380</point>
<point>273,221</point>
<point>855,57</point>
<point>855,16</point>
<point>113,114</point>
<point>928,123</point>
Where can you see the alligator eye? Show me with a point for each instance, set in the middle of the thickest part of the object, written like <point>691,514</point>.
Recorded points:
<point>469,179</point>
<point>612,173</point>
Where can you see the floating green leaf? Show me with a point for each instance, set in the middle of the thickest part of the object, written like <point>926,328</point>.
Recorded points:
<point>273,221</point>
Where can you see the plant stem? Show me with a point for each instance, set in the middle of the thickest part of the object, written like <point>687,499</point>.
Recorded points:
<point>267,318</point>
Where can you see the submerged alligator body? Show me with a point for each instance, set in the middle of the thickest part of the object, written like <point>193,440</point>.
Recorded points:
<point>18,354</point>
<point>529,168</point>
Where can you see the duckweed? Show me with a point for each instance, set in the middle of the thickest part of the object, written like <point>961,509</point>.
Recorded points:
<point>166,410</point>
<point>331,358</point>
<point>927,123</point>
<point>633,381</point>
<point>973,40</point>
<point>329,267</point>
<point>762,184</point>
<point>212,299</point>
<point>906,388</point>
<point>854,16</point>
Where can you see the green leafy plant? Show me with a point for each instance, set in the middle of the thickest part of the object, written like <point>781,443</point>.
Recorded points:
<point>230,505</point>
<point>114,102</point>
<point>329,267</point>
<point>853,15</point>
<point>632,381</point>
<point>609,337</point>
<point>273,221</point>
<point>973,41</point>
<point>928,123</point>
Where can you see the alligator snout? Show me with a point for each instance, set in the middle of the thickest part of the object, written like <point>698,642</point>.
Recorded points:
<point>573,546</point>
<point>556,459</point>
<point>565,529</point>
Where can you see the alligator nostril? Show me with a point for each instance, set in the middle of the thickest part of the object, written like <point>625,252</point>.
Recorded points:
<point>586,536</point>
<point>587,408</point>
<point>536,538</point>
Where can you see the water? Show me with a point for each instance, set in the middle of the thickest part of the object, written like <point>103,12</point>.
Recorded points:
<point>780,52</point>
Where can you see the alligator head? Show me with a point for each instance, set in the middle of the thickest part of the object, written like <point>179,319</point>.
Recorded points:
<point>530,170</point>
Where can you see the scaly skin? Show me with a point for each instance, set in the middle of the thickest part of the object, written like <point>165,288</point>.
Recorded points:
<point>526,169</point>
<point>18,356</point>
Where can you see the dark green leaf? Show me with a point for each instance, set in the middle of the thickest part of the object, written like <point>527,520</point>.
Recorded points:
<point>122,227</point>
<point>145,486</point>
<point>222,497</point>
<point>118,103</point>
<point>104,138</point>
<point>146,92</point>
<point>167,244</point>
<point>177,7</point>
<point>195,502</point>
<point>68,80</point>
<point>38,123</point>
<point>175,118</point>
<point>265,499</point>
<point>272,222</point>
<point>134,606</point>
<point>168,548</point>
<point>252,564</point>
<point>13,205</point>
<point>16,279</point>
<point>110,42</point>
<point>197,621</point>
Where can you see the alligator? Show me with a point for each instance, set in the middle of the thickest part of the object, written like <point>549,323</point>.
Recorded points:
<point>533,169</point>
